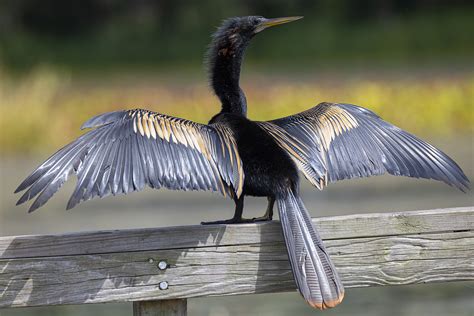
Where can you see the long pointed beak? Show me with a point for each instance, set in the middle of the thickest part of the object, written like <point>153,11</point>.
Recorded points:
<point>277,21</point>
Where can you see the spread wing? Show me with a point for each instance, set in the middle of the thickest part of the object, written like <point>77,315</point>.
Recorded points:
<point>333,142</point>
<point>127,150</point>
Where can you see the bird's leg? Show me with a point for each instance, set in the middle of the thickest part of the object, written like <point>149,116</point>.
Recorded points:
<point>268,216</point>
<point>237,219</point>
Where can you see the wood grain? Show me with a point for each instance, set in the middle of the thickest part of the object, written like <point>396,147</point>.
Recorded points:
<point>160,308</point>
<point>115,266</point>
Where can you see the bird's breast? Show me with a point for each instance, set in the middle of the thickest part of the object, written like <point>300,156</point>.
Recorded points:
<point>268,169</point>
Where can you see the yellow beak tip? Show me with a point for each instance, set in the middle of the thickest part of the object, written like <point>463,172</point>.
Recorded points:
<point>276,21</point>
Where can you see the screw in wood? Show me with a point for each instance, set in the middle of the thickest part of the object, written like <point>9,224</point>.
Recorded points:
<point>162,265</point>
<point>163,285</point>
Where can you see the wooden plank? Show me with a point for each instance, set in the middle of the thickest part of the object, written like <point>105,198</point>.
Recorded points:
<point>338,227</point>
<point>160,308</point>
<point>211,267</point>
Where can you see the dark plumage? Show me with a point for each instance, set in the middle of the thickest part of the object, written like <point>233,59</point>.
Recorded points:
<point>127,150</point>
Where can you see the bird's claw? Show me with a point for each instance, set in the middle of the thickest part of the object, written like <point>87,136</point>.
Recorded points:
<point>237,221</point>
<point>264,218</point>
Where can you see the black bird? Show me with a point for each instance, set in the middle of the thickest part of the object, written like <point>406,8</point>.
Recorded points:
<point>126,150</point>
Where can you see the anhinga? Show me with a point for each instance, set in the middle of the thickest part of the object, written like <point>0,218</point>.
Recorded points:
<point>126,150</point>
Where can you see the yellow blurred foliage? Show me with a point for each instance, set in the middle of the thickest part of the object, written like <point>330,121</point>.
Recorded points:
<point>44,110</point>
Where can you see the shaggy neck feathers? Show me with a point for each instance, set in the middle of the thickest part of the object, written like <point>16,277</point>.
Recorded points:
<point>225,60</point>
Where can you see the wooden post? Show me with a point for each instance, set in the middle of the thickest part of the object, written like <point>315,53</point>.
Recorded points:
<point>176,307</point>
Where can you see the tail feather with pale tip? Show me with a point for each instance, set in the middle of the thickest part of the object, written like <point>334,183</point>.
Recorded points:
<point>315,275</point>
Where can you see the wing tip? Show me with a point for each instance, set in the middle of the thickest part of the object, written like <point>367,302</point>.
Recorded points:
<point>462,182</point>
<point>33,208</point>
<point>18,189</point>
<point>70,204</point>
<point>464,186</point>
<point>24,185</point>
<point>24,198</point>
<point>36,204</point>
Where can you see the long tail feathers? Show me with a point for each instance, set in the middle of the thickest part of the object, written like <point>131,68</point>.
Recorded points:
<point>315,276</point>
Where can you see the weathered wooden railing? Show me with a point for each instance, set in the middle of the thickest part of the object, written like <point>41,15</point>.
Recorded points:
<point>159,268</point>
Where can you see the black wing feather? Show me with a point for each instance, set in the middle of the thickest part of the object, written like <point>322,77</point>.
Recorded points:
<point>128,150</point>
<point>354,142</point>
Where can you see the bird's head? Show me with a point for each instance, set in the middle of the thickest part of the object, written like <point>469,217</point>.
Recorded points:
<point>225,55</point>
<point>235,33</point>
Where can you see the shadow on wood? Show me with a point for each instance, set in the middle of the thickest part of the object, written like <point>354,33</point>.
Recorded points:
<point>160,308</point>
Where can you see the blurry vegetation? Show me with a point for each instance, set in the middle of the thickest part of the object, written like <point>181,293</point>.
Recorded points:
<point>45,109</point>
<point>61,62</point>
<point>101,34</point>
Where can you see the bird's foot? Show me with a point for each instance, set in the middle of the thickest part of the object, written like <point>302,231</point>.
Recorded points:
<point>233,221</point>
<point>263,218</point>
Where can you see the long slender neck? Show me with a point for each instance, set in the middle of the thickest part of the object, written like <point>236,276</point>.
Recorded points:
<point>226,57</point>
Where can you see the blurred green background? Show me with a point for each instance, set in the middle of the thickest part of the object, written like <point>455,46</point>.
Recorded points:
<point>62,62</point>
<point>410,61</point>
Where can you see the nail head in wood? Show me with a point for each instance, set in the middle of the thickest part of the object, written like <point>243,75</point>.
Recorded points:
<point>162,265</point>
